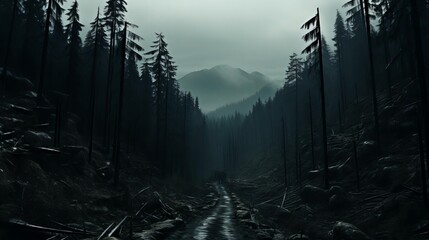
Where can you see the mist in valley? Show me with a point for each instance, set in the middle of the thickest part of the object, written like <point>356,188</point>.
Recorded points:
<point>214,119</point>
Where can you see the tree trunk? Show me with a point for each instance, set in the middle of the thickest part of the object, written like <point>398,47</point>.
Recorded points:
<point>422,161</point>
<point>108,101</point>
<point>356,166</point>
<point>121,99</point>
<point>311,131</point>
<point>296,129</point>
<point>421,73</point>
<point>372,75</point>
<point>322,91</point>
<point>92,97</point>
<point>44,54</point>
<point>284,152</point>
<point>165,142</point>
<point>340,119</point>
<point>9,42</point>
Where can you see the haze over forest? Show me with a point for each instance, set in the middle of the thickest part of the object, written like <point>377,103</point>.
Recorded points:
<point>214,119</point>
<point>251,35</point>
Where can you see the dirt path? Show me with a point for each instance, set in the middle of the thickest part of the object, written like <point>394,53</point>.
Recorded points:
<point>219,223</point>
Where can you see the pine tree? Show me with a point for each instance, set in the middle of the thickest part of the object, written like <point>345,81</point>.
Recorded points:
<point>421,73</point>
<point>96,35</point>
<point>53,14</point>
<point>381,8</point>
<point>94,41</point>
<point>156,62</point>
<point>293,76</point>
<point>316,46</point>
<point>340,40</point>
<point>147,101</point>
<point>131,48</point>
<point>114,14</point>
<point>170,92</point>
<point>33,27</point>
<point>74,46</point>
<point>364,8</point>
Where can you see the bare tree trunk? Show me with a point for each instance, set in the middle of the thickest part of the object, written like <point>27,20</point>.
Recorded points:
<point>311,130</point>
<point>296,130</point>
<point>422,161</point>
<point>121,99</point>
<point>372,75</point>
<point>356,166</point>
<point>108,101</point>
<point>340,119</point>
<point>322,91</point>
<point>284,152</point>
<point>44,54</point>
<point>165,144</point>
<point>421,73</point>
<point>9,42</point>
<point>92,97</point>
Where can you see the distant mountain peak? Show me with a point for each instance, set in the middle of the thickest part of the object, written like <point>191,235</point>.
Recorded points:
<point>221,85</point>
<point>221,67</point>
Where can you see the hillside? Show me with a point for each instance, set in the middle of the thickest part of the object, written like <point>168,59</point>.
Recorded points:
<point>244,106</point>
<point>222,85</point>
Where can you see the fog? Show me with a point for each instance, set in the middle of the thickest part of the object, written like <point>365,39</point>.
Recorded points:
<point>252,35</point>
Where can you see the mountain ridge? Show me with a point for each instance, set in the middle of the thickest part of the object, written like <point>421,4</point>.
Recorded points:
<point>245,105</point>
<point>222,85</point>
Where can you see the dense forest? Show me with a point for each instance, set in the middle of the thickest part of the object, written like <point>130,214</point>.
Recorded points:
<point>96,133</point>
<point>114,90</point>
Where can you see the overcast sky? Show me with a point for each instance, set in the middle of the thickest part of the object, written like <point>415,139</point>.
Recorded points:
<point>255,35</point>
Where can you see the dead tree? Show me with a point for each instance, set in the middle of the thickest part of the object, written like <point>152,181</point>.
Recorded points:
<point>128,45</point>
<point>315,36</point>
<point>284,151</point>
<point>311,130</point>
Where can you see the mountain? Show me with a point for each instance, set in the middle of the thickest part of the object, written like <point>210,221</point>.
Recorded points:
<point>222,85</point>
<point>245,105</point>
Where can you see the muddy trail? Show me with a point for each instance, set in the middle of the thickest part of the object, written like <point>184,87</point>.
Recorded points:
<point>218,223</point>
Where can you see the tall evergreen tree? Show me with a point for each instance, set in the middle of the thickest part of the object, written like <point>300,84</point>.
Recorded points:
<point>33,27</point>
<point>128,48</point>
<point>146,112</point>
<point>170,92</point>
<point>364,8</point>
<point>96,35</point>
<point>316,46</point>
<point>74,46</point>
<point>114,14</point>
<point>156,62</point>
<point>53,13</point>
<point>340,40</point>
<point>93,39</point>
<point>293,76</point>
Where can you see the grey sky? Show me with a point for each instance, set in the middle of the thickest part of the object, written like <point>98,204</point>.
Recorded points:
<point>255,35</point>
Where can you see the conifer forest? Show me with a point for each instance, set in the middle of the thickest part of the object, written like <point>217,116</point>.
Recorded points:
<point>129,119</point>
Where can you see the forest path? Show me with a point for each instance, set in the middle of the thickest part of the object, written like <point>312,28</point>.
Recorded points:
<point>219,223</point>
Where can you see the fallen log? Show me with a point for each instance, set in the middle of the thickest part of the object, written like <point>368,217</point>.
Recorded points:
<point>44,150</point>
<point>23,226</point>
<point>284,198</point>
<point>141,209</point>
<point>104,232</point>
<point>72,228</point>
<point>140,192</point>
<point>117,227</point>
